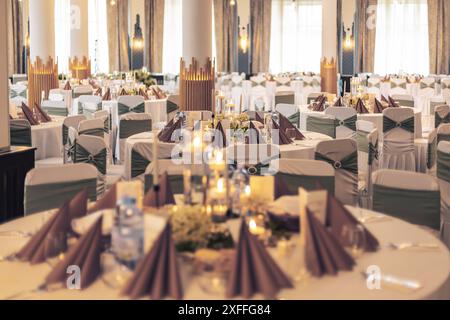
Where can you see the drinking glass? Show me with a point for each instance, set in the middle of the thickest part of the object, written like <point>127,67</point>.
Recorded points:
<point>55,245</point>
<point>356,239</point>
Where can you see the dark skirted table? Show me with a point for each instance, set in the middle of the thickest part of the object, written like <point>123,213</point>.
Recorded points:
<point>14,166</point>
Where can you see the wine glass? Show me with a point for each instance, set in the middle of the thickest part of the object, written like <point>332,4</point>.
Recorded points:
<point>356,239</point>
<point>55,245</point>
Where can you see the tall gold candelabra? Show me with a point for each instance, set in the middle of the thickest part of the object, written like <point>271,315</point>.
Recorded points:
<point>328,73</point>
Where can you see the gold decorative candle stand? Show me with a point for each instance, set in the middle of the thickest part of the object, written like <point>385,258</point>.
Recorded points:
<point>328,73</point>
<point>196,86</point>
<point>42,77</point>
<point>80,69</point>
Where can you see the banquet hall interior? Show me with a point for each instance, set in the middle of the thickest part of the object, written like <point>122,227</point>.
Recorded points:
<point>225,149</point>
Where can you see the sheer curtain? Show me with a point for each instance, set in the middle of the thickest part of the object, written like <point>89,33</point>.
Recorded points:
<point>173,36</point>
<point>98,36</point>
<point>296,36</point>
<point>62,34</point>
<point>402,37</point>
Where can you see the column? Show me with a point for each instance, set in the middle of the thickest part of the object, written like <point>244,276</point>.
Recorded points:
<point>4,94</point>
<point>328,66</point>
<point>197,30</point>
<point>42,69</point>
<point>79,63</point>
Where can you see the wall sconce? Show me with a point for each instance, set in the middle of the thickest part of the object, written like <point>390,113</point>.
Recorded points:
<point>112,2</point>
<point>348,39</point>
<point>243,40</point>
<point>232,2</point>
<point>138,43</point>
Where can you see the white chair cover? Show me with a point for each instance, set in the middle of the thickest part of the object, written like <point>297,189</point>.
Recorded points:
<point>69,122</point>
<point>398,144</point>
<point>427,90</point>
<point>89,105</point>
<point>341,114</point>
<point>374,86</point>
<point>93,127</point>
<point>445,89</point>
<point>444,183</point>
<point>142,123</point>
<point>398,86</point>
<point>441,114</point>
<point>404,100</point>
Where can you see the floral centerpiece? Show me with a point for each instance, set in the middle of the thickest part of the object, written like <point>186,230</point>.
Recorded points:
<point>145,78</point>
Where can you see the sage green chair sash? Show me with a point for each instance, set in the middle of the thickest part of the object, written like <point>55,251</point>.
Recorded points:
<point>420,207</point>
<point>373,152</point>
<point>295,119</point>
<point>293,182</point>
<point>65,134</point>
<point>443,166</point>
<point>361,140</point>
<point>389,124</point>
<point>132,127</point>
<point>349,122</point>
<point>123,109</point>
<point>90,113</point>
<point>321,125</point>
<point>43,197</point>
<point>20,134</point>
<point>438,120</point>
<point>107,124</point>
<point>405,103</point>
<point>171,107</point>
<point>286,99</point>
<point>138,164</point>
<point>348,163</point>
<point>79,94</point>
<point>443,137</point>
<point>14,94</point>
<point>431,153</point>
<point>98,160</point>
<point>97,132</point>
<point>62,112</point>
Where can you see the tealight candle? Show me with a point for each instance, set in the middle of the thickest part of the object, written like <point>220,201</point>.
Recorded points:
<point>255,229</point>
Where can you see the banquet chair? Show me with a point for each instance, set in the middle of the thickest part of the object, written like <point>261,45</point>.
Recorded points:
<point>88,105</point>
<point>342,154</point>
<point>441,115</point>
<point>81,91</point>
<point>404,100</point>
<point>290,111</point>
<point>55,95</point>
<point>175,175</point>
<point>93,127</point>
<point>284,97</point>
<point>105,116</point>
<point>309,86</point>
<point>69,122</point>
<point>445,89</point>
<point>313,96</point>
<point>20,132</point>
<point>443,175</point>
<point>426,149</point>
<point>48,188</point>
<point>398,139</point>
<point>129,125</point>
<point>410,196</point>
<point>142,156</point>
<point>18,94</point>
<point>374,86</point>
<point>368,156</point>
<point>427,90</point>
<point>173,105</point>
<point>443,132</point>
<point>256,157</point>
<point>436,102</point>
<point>308,174</point>
<point>127,104</point>
<point>346,119</point>
<point>398,86</point>
<point>55,108</point>
<point>322,123</point>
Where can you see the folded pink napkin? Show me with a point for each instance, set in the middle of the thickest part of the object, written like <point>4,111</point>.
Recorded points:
<point>107,95</point>
<point>108,201</point>
<point>44,116</point>
<point>285,124</point>
<point>157,274</point>
<point>253,269</point>
<point>28,114</point>
<point>166,134</point>
<point>67,86</point>
<point>392,103</point>
<point>378,107</point>
<point>319,104</point>
<point>283,139</point>
<point>164,195</point>
<point>338,103</point>
<point>361,108</point>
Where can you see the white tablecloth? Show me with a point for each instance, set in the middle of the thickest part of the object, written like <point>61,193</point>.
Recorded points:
<point>299,150</point>
<point>47,138</point>
<point>430,268</point>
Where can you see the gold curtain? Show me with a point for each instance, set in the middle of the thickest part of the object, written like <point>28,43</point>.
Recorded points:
<point>226,29</point>
<point>118,36</point>
<point>439,35</point>
<point>366,35</point>
<point>154,33</point>
<point>260,20</point>
<point>15,37</point>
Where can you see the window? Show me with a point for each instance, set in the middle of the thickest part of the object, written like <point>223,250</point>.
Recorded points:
<point>62,34</point>
<point>98,36</point>
<point>296,36</point>
<point>402,37</point>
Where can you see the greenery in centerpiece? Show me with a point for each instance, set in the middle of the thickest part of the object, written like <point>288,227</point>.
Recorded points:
<point>145,78</point>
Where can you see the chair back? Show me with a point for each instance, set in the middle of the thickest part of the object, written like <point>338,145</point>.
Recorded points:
<point>320,123</point>
<point>410,196</point>
<point>142,156</point>
<point>346,121</point>
<point>398,86</point>
<point>70,122</point>
<point>55,108</point>
<point>284,97</point>
<point>404,100</point>
<point>427,87</point>
<point>445,88</point>
<point>126,104</point>
<point>129,125</point>
<point>49,187</point>
<point>20,132</point>
<point>82,91</point>
<point>443,175</point>
<point>342,154</point>
<point>441,115</point>
<point>89,104</point>
<point>374,86</point>
<point>93,127</point>
<point>290,111</point>
<point>92,150</point>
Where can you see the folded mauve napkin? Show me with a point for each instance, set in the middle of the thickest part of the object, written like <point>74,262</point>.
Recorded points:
<point>338,217</point>
<point>285,124</point>
<point>220,139</point>
<point>107,95</point>
<point>38,248</point>
<point>319,105</point>
<point>28,114</point>
<point>143,94</point>
<point>259,118</point>
<point>392,103</point>
<point>44,116</point>
<point>108,201</point>
<point>323,253</point>
<point>93,84</point>
<point>283,139</point>
<point>157,274</point>
<point>253,270</point>
<point>338,103</point>
<point>378,107</point>
<point>98,92</point>
<point>85,254</point>
<point>383,98</point>
<point>67,86</point>
<point>78,205</point>
<point>166,134</point>
<point>254,136</point>
<point>164,196</point>
<point>123,92</point>
<point>281,188</point>
<point>361,108</point>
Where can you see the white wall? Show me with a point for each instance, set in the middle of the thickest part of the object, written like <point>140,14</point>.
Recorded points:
<point>4,96</point>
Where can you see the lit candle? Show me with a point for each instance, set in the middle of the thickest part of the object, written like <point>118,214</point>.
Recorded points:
<point>255,229</point>
<point>155,158</point>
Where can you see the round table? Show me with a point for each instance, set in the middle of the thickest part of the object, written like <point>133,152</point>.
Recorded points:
<point>430,268</point>
<point>47,139</point>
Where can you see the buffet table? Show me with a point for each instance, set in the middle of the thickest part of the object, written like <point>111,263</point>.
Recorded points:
<point>429,267</point>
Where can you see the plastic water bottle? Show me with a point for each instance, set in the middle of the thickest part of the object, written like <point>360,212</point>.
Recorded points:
<point>127,236</point>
